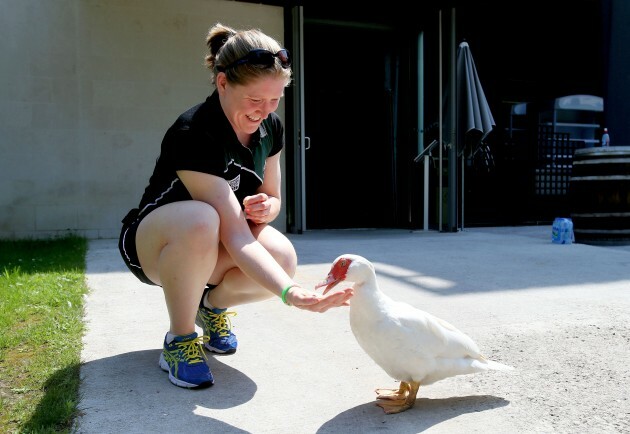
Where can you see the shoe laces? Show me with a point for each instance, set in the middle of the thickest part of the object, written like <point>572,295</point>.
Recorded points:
<point>192,351</point>
<point>219,323</point>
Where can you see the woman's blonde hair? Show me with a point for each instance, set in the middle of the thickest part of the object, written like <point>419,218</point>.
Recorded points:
<point>226,46</point>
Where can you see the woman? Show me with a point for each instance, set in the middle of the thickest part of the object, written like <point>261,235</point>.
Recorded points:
<point>202,231</point>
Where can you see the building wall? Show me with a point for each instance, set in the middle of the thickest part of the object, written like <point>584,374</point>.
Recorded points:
<point>88,89</point>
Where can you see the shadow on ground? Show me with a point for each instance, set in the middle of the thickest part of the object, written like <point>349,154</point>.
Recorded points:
<point>129,380</point>
<point>425,414</point>
<point>134,380</point>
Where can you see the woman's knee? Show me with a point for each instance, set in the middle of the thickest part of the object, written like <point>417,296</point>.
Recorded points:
<point>198,225</point>
<point>190,222</point>
<point>288,259</point>
<point>188,229</point>
<point>280,248</point>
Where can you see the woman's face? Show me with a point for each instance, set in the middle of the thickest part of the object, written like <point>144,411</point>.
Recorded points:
<point>246,106</point>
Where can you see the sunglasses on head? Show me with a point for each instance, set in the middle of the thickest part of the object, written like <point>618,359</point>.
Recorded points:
<point>261,57</point>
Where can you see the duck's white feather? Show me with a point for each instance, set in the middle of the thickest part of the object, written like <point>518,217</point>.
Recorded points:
<point>409,344</point>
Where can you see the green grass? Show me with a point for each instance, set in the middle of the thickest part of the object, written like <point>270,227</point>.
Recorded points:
<point>42,284</point>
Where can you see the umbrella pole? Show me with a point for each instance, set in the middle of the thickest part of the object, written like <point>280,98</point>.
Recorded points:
<point>463,189</point>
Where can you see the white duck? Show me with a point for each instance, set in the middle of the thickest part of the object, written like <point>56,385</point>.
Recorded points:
<point>411,345</point>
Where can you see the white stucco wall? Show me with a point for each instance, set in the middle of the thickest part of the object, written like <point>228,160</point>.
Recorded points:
<point>88,89</point>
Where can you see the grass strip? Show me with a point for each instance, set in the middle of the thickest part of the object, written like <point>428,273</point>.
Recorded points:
<point>42,284</point>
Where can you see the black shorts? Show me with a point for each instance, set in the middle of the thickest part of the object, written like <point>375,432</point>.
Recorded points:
<point>127,245</point>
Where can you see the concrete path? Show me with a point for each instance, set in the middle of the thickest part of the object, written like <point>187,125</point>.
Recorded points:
<point>559,313</point>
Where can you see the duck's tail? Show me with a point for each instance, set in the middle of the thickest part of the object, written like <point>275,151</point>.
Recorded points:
<point>492,365</point>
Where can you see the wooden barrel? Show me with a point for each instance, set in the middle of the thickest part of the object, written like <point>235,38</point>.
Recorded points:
<point>599,195</point>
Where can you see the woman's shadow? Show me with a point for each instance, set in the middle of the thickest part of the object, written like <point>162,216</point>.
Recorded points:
<point>130,393</point>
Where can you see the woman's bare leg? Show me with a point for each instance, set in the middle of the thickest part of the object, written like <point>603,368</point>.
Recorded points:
<point>178,246</point>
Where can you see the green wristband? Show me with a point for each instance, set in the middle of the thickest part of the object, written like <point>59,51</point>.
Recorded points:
<point>284,293</point>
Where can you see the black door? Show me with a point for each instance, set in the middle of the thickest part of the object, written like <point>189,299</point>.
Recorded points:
<point>349,79</point>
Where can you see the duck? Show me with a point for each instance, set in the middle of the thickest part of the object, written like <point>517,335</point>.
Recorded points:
<point>411,345</point>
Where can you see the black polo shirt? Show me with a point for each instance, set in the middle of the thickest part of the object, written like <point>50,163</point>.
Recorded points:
<point>202,140</point>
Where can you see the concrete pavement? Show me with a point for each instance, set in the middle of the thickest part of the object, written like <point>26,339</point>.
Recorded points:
<point>559,313</point>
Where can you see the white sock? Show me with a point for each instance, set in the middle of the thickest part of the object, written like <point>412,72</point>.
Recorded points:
<point>169,337</point>
<point>206,303</point>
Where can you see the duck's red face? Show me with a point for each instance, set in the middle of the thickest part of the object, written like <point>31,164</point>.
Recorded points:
<point>337,274</point>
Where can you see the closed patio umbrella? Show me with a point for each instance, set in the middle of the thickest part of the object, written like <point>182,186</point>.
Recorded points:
<point>474,118</point>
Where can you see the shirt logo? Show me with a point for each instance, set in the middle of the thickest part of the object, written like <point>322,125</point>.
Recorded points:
<point>235,183</point>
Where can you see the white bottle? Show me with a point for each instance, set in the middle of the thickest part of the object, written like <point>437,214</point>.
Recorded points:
<point>605,139</point>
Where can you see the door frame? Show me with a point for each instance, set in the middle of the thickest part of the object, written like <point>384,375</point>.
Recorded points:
<point>296,210</point>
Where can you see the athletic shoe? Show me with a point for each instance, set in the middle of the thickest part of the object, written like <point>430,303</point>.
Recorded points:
<point>184,360</point>
<point>217,327</point>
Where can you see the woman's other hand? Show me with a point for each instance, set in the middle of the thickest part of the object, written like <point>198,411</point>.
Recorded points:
<point>257,208</point>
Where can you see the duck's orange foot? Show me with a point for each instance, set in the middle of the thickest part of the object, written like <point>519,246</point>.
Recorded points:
<point>396,401</point>
<point>393,394</point>
<point>392,407</point>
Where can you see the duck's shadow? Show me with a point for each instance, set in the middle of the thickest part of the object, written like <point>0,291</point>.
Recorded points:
<point>425,413</point>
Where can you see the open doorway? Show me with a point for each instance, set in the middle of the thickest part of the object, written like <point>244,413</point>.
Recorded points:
<point>353,118</point>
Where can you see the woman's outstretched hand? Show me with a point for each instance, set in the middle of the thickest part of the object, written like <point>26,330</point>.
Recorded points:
<point>309,300</point>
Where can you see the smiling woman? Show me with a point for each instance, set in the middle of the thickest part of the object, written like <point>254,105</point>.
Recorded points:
<point>201,230</point>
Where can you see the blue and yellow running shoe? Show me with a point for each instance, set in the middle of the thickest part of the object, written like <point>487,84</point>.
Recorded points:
<point>184,360</point>
<point>217,327</point>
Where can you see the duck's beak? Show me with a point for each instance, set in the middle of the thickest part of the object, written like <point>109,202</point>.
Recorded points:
<point>329,283</point>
